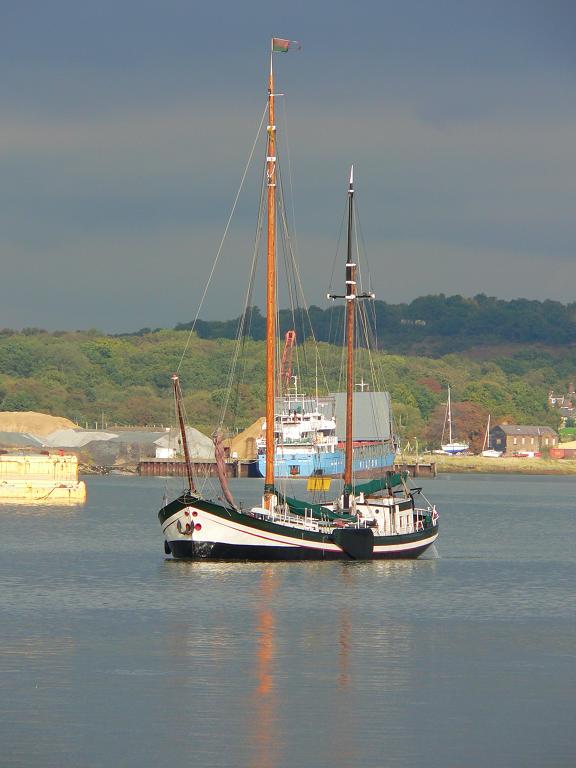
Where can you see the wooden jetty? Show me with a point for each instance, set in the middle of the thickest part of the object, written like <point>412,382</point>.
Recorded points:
<point>417,468</point>
<point>249,468</point>
<point>177,468</point>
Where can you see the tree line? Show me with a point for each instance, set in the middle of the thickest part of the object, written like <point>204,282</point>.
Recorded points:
<point>436,323</point>
<point>95,378</point>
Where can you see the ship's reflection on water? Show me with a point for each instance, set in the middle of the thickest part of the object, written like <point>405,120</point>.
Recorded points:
<point>40,507</point>
<point>284,655</point>
<point>265,737</point>
<point>316,653</point>
<point>344,640</point>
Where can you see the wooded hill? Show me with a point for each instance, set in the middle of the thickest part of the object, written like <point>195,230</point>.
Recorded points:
<point>432,325</point>
<point>91,377</point>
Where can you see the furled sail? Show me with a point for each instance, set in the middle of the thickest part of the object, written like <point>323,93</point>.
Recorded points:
<point>221,468</point>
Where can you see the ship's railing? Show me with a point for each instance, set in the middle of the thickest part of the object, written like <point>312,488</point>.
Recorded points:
<point>308,440</point>
<point>422,519</point>
<point>283,516</point>
<point>425,517</point>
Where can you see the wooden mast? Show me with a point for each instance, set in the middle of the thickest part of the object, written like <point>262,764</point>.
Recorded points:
<point>351,297</point>
<point>270,291</point>
<point>178,401</point>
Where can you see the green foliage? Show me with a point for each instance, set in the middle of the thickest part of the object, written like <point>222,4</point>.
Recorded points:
<point>435,324</point>
<point>88,376</point>
<point>408,420</point>
<point>18,355</point>
<point>19,401</point>
<point>495,398</point>
<point>568,433</point>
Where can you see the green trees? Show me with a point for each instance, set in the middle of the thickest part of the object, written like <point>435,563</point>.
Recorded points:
<point>430,323</point>
<point>90,377</point>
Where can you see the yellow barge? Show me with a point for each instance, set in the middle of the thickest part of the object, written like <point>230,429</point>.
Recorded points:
<point>40,477</point>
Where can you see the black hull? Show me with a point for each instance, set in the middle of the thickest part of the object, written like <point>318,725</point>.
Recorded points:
<point>189,550</point>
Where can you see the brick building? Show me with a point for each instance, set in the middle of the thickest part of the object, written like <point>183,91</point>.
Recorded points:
<point>515,438</point>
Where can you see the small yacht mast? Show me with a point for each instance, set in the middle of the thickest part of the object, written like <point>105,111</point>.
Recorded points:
<point>449,418</point>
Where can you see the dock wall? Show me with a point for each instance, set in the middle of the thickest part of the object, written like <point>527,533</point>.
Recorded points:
<point>236,468</point>
<point>177,468</point>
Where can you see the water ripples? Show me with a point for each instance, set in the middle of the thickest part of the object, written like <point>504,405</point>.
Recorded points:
<point>112,650</point>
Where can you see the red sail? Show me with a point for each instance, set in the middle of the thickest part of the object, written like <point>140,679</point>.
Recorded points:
<point>221,468</point>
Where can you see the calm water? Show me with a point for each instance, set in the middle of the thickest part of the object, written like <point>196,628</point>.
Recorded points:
<point>113,655</point>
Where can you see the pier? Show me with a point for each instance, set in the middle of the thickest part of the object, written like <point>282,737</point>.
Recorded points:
<point>417,468</point>
<point>249,468</point>
<point>177,468</point>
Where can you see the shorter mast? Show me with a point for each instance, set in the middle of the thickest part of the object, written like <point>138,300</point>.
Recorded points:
<point>350,297</point>
<point>350,312</point>
<point>178,401</point>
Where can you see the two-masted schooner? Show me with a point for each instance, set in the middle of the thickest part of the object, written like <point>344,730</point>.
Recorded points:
<point>376,519</point>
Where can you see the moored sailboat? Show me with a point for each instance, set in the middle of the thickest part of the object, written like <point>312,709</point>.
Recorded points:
<point>452,447</point>
<point>375,519</point>
<point>487,450</point>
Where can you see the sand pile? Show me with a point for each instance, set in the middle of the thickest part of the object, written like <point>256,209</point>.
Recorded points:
<point>33,423</point>
<point>244,444</point>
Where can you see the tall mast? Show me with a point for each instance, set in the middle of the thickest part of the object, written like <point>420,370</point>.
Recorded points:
<point>270,288</point>
<point>350,296</point>
<point>350,312</point>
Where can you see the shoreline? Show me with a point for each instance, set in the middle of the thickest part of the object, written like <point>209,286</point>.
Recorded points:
<point>444,465</point>
<point>501,465</point>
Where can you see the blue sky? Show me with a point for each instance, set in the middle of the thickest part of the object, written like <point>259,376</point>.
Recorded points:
<point>126,127</point>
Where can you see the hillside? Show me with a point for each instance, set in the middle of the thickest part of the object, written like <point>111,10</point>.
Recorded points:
<point>91,378</point>
<point>430,325</point>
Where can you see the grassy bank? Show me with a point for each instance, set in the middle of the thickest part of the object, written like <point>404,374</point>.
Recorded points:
<point>500,465</point>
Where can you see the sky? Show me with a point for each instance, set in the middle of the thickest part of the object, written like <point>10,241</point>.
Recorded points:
<point>127,124</point>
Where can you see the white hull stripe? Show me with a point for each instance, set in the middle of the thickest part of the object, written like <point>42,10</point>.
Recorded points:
<point>250,532</point>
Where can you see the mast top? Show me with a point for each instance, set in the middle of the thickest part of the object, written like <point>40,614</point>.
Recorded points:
<point>351,184</point>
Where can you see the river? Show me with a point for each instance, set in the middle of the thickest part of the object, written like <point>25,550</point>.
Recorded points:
<point>113,655</point>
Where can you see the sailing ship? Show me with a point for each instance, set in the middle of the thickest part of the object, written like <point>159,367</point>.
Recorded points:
<point>452,447</point>
<point>376,519</point>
